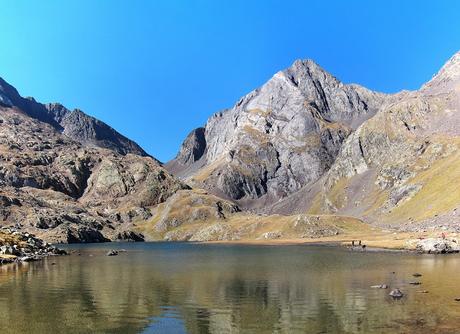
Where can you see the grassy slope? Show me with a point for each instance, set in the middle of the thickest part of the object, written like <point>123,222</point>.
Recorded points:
<point>440,192</point>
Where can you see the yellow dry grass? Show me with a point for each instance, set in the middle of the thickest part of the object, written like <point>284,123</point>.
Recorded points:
<point>255,134</point>
<point>207,171</point>
<point>337,195</point>
<point>260,112</point>
<point>440,191</point>
<point>8,239</point>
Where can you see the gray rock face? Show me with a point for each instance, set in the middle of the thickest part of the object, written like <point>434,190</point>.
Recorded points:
<point>192,150</point>
<point>280,137</point>
<point>92,132</point>
<point>75,124</point>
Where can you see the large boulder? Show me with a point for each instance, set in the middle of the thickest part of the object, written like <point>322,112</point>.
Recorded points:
<point>437,246</point>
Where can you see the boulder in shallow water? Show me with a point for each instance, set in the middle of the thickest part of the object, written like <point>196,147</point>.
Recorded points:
<point>112,252</point>
<point>396,294</point>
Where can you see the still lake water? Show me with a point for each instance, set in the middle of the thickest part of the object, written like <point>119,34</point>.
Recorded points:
<point>198,288</point>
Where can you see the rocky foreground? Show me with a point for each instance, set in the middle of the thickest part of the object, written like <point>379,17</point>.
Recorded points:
<point>16,246</point>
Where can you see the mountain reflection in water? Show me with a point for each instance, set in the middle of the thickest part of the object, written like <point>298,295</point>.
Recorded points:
<point>197,288</point>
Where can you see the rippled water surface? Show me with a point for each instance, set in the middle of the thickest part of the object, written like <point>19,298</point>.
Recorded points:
<point>193,288</point>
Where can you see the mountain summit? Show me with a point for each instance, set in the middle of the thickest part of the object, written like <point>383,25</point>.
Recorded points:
<point>280,137</point>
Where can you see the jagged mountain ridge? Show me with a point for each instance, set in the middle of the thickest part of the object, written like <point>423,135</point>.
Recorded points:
<point>74,124</point>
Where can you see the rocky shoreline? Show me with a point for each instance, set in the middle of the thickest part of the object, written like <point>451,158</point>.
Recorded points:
<point>18,246</point>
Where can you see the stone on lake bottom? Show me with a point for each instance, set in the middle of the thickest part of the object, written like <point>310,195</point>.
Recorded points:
<point>112,252</point>
<point>396,293</point>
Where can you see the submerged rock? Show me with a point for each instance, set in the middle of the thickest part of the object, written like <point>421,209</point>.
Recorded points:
<point>381,286</point>
<point>112,252</point>
<point>396,294</point>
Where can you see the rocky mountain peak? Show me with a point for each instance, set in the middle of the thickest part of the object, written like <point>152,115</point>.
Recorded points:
<point>194,147</point>
<point>7,93</point>
<point>279,137</point>
<point>58,110</point>
<point>448,77</point>
<point>307,67</point>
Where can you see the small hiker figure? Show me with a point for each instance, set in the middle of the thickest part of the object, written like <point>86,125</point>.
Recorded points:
<point>352,243</point>
<point>360,242</point>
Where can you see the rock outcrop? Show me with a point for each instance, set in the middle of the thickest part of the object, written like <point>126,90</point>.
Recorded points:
<point>245,227</point>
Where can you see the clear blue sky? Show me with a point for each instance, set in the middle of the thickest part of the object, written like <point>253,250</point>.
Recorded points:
<point>154,70</point>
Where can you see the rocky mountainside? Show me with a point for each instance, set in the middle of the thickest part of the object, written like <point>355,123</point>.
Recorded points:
<point>64,191</point>
<point>403,165</point>
<point>278,138</point>
<point>305,142</point>
<point>75,124</point>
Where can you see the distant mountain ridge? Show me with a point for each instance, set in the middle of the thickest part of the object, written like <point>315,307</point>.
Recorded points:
<point>74,124</point>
